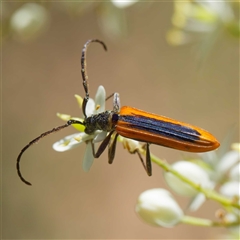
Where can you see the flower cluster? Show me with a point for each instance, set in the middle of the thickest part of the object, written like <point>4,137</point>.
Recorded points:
<point>27,21</point>
<point>197,180</point>
<point>202,20</point>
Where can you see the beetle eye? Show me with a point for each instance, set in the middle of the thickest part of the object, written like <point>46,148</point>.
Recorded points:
<point>115,117</point>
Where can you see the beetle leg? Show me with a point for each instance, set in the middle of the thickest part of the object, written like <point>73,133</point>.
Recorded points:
<point>102,146</point>
<point>148,165</point>
<point>112,148</point>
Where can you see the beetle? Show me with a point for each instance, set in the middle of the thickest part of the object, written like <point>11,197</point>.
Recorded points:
<point>135,124</point>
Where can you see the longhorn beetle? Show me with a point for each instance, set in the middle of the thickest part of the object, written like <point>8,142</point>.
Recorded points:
<point>135,124</point>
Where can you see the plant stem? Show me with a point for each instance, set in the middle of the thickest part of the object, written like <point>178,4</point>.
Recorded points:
<point>210,194</point>
<point>206,222</point>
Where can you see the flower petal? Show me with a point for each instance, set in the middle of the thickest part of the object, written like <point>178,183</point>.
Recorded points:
<point>90,108</point>
<point>64,117</point>
<point>100,99</point>
<point>197,201</point>
<point>88,158</point>
<point>235,172</point>
<point>79,100</point>
<point>99,136</point>
<point>130,144</point>
<point>230,189</point>
<point>227,162</point>
<point>67,143</point>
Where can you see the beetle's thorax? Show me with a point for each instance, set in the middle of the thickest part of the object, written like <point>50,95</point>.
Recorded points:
<point>104,121</point>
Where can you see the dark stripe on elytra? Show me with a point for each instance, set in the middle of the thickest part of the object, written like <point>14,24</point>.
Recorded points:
<point>159,127</point>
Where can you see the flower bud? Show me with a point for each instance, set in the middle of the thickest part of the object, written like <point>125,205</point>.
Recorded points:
<point>157,207</point>
<point>191,171</point>
<point>230,189</point>
<point>123,4</point>
<point>29,21</point>
<point>130,144</point>
<point>227,162</point>
<point>235,172</point>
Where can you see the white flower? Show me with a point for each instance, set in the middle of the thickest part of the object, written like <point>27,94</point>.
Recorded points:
<point>230,189</point>
<point>234,230</point>
<point>130,144</point>
<point>123,3</point>
<point>226,163</point>
<point>195,174</point>
<point>29,21</point>
<point>157,207</point>
<point>74,140</point>
<point>224,169</point>
<point>236,147</point>
<point>191,171</point>
<point>197,20</point>
<point>226,166</point>
<point>235,172</point>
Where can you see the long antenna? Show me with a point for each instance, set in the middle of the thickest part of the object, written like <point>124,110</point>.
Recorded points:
<point>84,71</point>
<point>56,129</point>
<point>70,122</point>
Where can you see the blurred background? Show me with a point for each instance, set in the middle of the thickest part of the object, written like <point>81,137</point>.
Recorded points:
<point>175,59</point>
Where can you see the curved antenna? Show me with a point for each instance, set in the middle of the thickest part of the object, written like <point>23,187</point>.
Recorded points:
<point>84,71</point>
<point>56,129</point>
